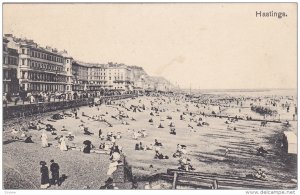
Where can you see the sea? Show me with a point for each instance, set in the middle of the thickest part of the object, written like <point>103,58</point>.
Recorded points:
<point>246,92</point>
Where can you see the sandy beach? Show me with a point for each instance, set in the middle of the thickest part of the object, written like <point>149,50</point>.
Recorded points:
<point>206,145</point>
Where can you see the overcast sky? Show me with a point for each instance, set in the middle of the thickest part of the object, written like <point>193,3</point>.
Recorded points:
<point>210,46</point>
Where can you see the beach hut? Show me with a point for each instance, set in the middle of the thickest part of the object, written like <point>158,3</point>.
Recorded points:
<point>290,142</point>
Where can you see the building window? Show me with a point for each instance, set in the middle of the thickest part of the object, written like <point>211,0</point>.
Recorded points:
<point>23,51</point>
<point>23,61</point>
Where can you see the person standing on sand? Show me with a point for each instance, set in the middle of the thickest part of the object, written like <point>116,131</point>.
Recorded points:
<point>44,139</point>
<point>100,133</point>
<point>75,113</point>
<point>44,175</point>
<point>54,168</point>
<point>63,146</point>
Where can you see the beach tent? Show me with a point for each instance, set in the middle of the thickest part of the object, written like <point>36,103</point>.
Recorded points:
<point>290,142</point>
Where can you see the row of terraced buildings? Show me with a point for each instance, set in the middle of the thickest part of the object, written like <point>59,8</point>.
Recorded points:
<point>32,68</point>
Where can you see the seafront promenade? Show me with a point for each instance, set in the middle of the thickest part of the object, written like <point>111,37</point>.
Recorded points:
<point>29,109</point>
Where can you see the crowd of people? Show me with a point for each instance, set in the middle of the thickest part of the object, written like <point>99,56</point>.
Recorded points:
<point>108,142</point>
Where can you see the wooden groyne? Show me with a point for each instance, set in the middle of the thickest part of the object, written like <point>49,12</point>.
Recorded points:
<point>200,180</point>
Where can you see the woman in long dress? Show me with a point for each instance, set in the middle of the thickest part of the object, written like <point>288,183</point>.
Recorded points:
<point>44,139</point>
<point>44,175</point>
<point>63,145</point>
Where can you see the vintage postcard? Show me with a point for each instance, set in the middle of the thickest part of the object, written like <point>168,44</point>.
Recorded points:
<point>136,96</point>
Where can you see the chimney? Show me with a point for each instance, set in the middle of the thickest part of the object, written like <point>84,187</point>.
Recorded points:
<point>48,48</point>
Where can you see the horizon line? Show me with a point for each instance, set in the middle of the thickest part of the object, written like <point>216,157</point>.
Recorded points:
<point>240,88</point>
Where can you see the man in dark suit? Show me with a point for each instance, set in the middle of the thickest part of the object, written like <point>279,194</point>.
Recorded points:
<point>54,168</point>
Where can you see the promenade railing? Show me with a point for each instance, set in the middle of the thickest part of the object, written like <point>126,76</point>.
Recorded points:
<point>23,110</point>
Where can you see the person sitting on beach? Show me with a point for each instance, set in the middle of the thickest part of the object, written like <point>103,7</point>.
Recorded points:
<point>102,137</point>
<point>118,136</point>
<point>135,135</point>
<point>199,124</point>
<point>260,174</point>
<point>32,126</point>
<point>137,146</point>
<point>70,137</point>
<point>181,117</point>
<point>107,146</point>
<point>159,155</point>
<point>109,136</point>
<point>63,129</point>
<point>28,139</point>
<point>87,132</point>
<point>151,114</point>
<point>53,132</point>
<point>156,143</point>
<point>102,146</point>
<point>113,139</point>
<point>261,151</point>
<point>229,127</point>
<point>143,133</point>
<point>205,123</point>
<point>171,124</point>
<point>181,150</point>
<point>14,134</point>
<point>125,123</point>
<point>39,127</point>
<point>173,131</point>
<point>184,164</point>
<point>287,123</point>
<point>160,126</point>
<point>150,147</point>
<point>151,120</point>
<point>87,146</point>
<point>50,128</point>
<point>41,122</point>
<point>141,147</point>
<point>190,126</point>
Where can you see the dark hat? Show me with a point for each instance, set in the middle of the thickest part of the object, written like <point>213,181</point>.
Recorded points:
<point>43,163</point>
<point>51,160</point>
